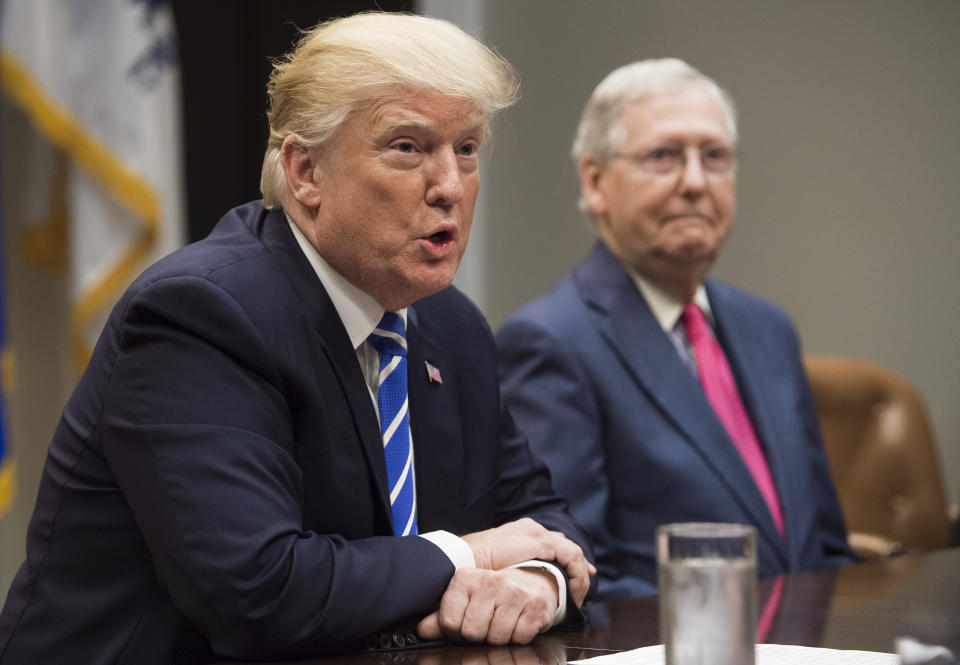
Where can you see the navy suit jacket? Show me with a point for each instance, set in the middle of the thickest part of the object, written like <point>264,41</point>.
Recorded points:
<point>631,440</point>
<point>216,486</point>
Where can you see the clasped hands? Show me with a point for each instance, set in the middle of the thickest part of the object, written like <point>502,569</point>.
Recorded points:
<point>500,605</point>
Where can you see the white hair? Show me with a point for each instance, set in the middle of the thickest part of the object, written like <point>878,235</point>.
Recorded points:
<point>601,133</point>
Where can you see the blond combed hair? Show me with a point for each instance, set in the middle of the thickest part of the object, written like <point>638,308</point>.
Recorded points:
<point>346,64</point>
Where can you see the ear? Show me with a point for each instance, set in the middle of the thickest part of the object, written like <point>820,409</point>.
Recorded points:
<point>591,173</point>
<point>301,172</point>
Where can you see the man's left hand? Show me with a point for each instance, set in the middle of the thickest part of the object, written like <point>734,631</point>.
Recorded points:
<point>509,606</point>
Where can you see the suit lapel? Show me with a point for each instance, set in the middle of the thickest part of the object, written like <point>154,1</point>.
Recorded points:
<point>434,423</point>
<point>332,338</point>
<point>761,391</point>
<point>636,336</point>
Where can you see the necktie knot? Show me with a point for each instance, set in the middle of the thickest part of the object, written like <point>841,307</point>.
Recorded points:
<point>695,324</point>
<point>389,337</point>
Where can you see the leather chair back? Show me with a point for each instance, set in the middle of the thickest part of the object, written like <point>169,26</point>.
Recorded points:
<point>881,449</point>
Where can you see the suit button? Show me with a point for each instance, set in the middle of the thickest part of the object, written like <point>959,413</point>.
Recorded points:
<point>399,639</point>
<point>385,642</point>
<point>411,638</point>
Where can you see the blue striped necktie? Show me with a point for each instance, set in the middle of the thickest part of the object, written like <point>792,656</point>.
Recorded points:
<point>389,339</point>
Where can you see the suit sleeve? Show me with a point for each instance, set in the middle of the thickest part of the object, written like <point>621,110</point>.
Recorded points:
<point>523,486</point>
<point>550,396</point>
<point>197,430</point>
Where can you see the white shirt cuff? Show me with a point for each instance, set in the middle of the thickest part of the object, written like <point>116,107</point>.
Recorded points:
<point>456,548</point>
<point>461,556</point>
<point>561,612</point>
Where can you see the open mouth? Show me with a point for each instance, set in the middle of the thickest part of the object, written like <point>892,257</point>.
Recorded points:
<point>440,237</point>
<point>442,241</point>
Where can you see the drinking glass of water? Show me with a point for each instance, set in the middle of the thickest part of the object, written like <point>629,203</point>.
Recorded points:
<point>707,579</point>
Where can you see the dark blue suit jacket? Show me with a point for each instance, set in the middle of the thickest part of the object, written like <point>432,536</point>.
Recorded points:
<point>216,486</point>
<point>631,440</point>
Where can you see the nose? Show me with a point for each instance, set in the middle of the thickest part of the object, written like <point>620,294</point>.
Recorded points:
<point>445,187</point>
<point>693,179</point>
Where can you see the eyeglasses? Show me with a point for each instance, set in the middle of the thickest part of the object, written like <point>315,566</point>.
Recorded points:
<point>715,159</point>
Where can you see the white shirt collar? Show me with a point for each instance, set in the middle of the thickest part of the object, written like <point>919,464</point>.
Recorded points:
<point>358,310</point>
<point>667,309</point>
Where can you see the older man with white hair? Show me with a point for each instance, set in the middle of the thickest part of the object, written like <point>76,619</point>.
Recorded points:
<point>286,428</point>
<point>654,394</point>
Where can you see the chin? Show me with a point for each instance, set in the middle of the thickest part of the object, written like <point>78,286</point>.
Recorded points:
<point>425,288</point>
<point>687,255</point>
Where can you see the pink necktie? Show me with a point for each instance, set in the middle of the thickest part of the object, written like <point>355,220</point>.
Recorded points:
<point>717,381</point>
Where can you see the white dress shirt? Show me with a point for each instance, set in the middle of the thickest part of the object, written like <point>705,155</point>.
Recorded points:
<point>667,310</point>
<point>360,314</point>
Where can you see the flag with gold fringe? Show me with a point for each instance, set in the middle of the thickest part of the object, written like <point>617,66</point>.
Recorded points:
<point>99,81</point>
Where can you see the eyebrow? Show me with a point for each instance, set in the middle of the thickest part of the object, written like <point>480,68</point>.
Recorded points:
<point>397,124</point>
<point>680,143</point>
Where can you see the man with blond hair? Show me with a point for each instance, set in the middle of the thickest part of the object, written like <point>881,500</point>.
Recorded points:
<point>653,393</point>
<point>289,440</point>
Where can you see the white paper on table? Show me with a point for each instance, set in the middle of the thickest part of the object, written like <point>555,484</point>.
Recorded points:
<point>767,654</point>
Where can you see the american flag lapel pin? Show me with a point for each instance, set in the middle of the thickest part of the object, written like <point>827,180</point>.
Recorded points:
<point>433,373</point>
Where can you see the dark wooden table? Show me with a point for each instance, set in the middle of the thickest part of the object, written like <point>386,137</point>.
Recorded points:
<point>864,606</point>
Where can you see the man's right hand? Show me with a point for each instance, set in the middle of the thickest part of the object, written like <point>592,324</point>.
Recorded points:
<point>526,539</point>
<point>509,606</point>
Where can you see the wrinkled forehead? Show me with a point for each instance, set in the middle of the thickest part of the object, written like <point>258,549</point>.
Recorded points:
<point>386,106</point>
<point>426,109</point>
<point>404,108</point>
